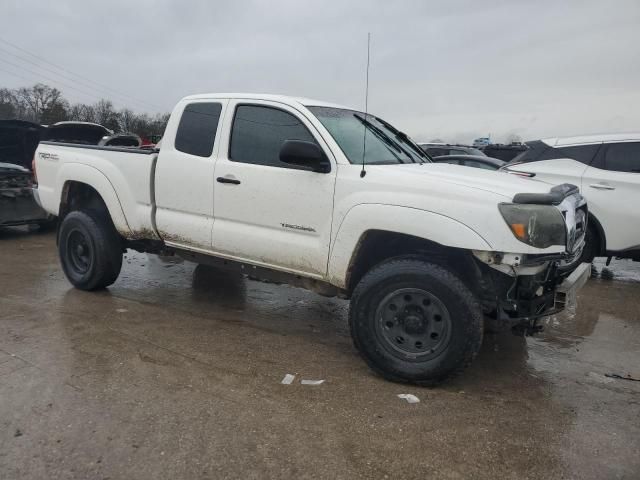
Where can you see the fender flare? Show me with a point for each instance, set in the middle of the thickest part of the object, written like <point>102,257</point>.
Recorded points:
<point>82,173</point>
<point>363,218</point>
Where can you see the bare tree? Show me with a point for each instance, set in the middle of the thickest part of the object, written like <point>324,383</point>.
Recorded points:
<point>126,120</point>
<point>39,99</point>
<point>82,113</point>
<point>106,115</point>
<point>43,104</point>
<point>8,104</point>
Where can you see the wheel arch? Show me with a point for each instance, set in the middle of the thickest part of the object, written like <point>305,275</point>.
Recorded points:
<point>85,184</point>
<point>371,233</point>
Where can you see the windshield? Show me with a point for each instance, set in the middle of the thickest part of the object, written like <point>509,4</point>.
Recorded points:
<point>364,136</point>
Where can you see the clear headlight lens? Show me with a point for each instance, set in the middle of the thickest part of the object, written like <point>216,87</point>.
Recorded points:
<point>537,225</point>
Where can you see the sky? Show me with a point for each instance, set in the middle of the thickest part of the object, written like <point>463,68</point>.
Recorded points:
<point>451,70</point>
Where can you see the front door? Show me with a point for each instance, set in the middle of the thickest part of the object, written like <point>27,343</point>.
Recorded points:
<point>268,212</point>
<point>612,188</point>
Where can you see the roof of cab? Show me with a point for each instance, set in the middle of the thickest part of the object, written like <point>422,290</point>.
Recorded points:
<point>288,100</point>
<point>582,139</point>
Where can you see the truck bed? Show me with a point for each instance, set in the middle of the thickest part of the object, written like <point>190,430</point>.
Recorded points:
<point>123,176</point>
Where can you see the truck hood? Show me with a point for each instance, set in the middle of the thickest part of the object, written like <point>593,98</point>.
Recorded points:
<point>493,181</point>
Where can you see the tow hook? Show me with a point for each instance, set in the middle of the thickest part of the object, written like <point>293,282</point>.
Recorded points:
<point>527,329</point>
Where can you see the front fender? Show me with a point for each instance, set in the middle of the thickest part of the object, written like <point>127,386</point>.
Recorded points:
<point>410,221</point>
<point>79,172</point>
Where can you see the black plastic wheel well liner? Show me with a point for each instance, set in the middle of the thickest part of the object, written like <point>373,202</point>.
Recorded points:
<point>376,246</point>
<point>80,196</point>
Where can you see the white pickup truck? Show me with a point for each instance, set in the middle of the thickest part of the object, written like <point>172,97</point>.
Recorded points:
<point>334,200</point>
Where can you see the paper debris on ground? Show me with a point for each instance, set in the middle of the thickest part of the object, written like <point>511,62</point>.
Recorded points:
<point>409,397</point>
<point>288,379</point>
<point>312,382</point>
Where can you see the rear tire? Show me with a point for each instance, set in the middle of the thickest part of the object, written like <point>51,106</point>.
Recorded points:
<point>414,321</point>
<point>90,250</point>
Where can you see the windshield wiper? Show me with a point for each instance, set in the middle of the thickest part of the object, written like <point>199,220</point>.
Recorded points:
<point>384,137</point>
<point>391,145</point>
<point>403,136</point>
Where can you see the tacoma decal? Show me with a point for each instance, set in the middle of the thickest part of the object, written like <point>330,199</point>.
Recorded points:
<point>298,227</point>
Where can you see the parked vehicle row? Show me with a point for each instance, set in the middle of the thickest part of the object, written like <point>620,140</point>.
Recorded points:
<point>334,200</point>
<point>17,202</point>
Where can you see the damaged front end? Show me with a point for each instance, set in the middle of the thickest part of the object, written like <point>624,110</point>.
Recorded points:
<point>517,294</point>
<point>519,289</point>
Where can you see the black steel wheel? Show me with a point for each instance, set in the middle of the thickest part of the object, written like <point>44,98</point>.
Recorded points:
<point>79,251</point>
<point>414,321</point>
<point>90,250</point>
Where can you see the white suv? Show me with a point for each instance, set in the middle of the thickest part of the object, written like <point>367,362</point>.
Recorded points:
<point>607,170</point>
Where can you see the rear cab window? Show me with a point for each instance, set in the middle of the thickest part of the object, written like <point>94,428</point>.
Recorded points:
<point>196,132</point>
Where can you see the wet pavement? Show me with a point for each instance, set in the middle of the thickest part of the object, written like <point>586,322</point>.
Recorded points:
<point>174,372</point>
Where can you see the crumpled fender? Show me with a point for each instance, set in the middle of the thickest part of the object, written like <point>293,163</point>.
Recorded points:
<point>79,172</point>
<point>393,218</point>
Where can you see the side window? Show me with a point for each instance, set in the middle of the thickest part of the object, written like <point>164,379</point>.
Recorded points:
<point>580,153</point>
<point>623,157</point>
<point>197,129</point>
<point>258,134</point>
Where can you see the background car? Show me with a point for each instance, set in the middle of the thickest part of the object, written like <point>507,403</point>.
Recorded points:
<point>506,152</point>
<point>85,133</point>
<point>121,140</point>
<point>440,149</point>
<point>477,161</point>
<point>18,141</point>
<point>17,203</point>
<point>607,170</point>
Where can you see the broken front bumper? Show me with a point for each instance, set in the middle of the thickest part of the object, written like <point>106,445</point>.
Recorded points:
<point>518,301</point>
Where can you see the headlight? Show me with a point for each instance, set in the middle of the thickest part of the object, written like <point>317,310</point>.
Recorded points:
<point>537,225</point>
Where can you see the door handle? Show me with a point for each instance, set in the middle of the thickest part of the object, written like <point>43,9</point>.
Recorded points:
<point>602,186</point>
<point>228,180</point>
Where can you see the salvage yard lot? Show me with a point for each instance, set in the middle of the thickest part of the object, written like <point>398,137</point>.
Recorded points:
<point>175,371</point>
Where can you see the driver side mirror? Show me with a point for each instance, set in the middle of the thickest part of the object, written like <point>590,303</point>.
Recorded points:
<point>304,156</point>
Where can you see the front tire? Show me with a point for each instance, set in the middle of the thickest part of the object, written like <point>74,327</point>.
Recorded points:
<point>414,321</point>
<point>90,250</point>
